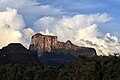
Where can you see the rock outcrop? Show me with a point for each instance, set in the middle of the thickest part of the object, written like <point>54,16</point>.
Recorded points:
<point>43,43</point>
<point>46,43</point>
<point>67,45</point>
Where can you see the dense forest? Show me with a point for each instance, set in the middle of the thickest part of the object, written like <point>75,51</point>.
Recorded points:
<point>83,68</point>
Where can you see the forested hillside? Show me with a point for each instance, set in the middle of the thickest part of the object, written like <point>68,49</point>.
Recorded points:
<point>84,68</point>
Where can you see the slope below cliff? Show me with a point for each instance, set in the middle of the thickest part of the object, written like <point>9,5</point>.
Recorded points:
<point>16,53</point>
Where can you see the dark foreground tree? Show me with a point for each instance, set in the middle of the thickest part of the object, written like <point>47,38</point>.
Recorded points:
<point>84,68</point>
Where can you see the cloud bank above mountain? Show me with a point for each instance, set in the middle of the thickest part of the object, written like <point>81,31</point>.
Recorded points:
<point>12,28</point>
<point>82,30</point>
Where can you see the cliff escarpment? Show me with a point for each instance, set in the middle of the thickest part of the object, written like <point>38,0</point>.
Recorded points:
<point>47,43</point>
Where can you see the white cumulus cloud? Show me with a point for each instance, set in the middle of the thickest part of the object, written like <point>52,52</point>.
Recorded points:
<point>30,9</point>
<point>12,28</point>
<point>83,30</point>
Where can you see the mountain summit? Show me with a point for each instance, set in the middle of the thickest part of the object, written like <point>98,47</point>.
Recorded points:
<point>47,43</point>
<point>16,53</point>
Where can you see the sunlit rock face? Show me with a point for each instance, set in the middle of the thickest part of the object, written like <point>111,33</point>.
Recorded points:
<point>47,43</point>
<point>43,43</point>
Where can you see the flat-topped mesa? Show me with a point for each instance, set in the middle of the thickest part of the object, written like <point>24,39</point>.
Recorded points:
<point>43,43</point>
<point>46,43</point>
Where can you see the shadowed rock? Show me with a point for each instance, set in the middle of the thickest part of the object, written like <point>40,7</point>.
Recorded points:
<point>16,53</point>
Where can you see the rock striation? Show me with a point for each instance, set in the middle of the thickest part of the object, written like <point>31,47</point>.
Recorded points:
<point>43,43</point>
<point>47,43</point>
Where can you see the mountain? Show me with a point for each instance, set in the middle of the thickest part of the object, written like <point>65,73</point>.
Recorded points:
<point>16,53</point>
<point>44,50</point>
<point>47,43</point>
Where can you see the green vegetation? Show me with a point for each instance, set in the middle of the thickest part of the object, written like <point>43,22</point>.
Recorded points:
<point>84,68</point>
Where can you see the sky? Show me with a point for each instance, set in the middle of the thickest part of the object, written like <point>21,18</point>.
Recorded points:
<point>90,7</point>
<point>89,23</point>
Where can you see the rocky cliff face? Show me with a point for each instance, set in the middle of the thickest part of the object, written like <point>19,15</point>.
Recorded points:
<point>43,43</point>
<point>46,43</point>
<point>67,45</point>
